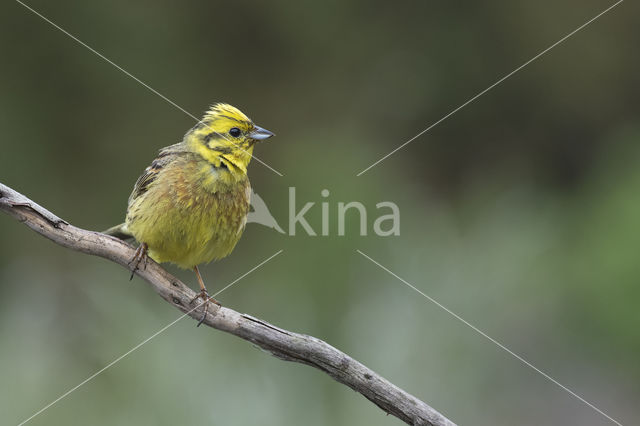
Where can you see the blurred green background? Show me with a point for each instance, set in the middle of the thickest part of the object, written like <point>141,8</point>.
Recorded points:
<point>521,213</point>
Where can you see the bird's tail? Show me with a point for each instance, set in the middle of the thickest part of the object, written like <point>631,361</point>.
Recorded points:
<point>119,231</point>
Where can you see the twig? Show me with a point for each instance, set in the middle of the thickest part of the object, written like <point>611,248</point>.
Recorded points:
<point>283,344</point>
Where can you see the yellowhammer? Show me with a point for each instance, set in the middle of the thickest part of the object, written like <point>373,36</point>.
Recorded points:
<point>190,205</point>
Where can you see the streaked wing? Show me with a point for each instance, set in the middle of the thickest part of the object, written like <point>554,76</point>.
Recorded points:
<point>165,156</point>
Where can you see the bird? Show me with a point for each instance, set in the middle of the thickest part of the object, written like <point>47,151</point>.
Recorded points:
<point>190,206</point>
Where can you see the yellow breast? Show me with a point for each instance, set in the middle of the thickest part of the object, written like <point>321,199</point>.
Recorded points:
<point>193,212</point>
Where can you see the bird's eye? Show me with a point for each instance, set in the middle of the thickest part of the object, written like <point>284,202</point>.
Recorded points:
<point>235,132</point>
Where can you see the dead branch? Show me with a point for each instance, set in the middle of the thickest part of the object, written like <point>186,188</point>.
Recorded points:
<point>283,344</point>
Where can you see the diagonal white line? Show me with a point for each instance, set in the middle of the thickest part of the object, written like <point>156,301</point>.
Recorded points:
<point>248,272</point>
<point>136,78</point>
<point>491,87</point>
<point>494,341</point>
<point>136,347</point>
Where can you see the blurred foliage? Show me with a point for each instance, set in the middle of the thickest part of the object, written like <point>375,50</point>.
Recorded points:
<point>520,212</point>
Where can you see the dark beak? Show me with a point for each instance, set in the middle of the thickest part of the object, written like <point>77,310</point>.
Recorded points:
<point>260,134</point>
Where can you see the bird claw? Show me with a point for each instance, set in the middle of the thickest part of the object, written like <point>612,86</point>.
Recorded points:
<point>139,256</point>
<point>204,295</point>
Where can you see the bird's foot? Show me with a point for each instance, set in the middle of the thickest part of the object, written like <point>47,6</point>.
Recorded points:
<point>204,295</point>
<point>140,256</point>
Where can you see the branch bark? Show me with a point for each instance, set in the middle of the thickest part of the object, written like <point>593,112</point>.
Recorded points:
<point>282,344</point>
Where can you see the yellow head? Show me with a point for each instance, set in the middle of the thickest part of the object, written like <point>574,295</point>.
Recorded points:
<point>226,135</point>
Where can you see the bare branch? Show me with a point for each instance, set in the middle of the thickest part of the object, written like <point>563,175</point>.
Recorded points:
<point>282,344</point>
